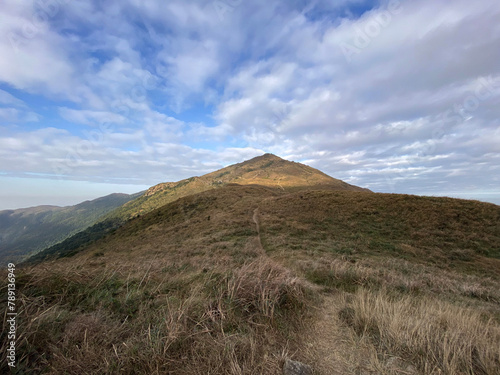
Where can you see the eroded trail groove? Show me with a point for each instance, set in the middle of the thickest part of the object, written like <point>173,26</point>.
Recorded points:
<point>256,220</point>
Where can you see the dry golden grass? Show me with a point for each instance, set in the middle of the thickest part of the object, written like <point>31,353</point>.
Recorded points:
<point>435,336</point>
<point>105,320</point>
<point>263,286</point>
<point>373,332</point>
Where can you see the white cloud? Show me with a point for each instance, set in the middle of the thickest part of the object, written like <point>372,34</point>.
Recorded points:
<point>8,99</point>
<point>389,102</point>
<point>37,60</point>
<point>14,115</point>
<point>91,118</point>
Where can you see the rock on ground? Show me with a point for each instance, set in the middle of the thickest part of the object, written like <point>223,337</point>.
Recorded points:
<point>296,368</point>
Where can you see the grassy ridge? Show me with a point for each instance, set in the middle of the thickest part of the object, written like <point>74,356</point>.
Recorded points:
<point>441,231</point>
<point>349,282</point>
<point>266,170</point>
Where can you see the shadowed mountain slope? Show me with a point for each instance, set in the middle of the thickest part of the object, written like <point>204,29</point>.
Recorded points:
<point>29,230</point>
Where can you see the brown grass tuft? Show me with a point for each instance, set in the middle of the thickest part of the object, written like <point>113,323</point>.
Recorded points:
<point>264,286</point>
<point>438,337</point>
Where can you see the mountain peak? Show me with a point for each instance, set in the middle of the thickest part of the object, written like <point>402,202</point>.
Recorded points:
<point>270,156</point>
<point>264,157</point>
<point>266,170</point>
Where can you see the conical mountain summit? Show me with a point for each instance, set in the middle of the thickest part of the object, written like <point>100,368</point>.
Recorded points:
<point>266,170</point>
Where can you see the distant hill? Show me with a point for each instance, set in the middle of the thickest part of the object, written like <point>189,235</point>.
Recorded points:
<point>265,170</point>
<point>26,231</point>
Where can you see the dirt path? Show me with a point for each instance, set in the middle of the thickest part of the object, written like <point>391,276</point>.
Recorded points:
<point>325,346</point>
<point>325,343</point>
<point>332,348</point>
<point>256,220</point>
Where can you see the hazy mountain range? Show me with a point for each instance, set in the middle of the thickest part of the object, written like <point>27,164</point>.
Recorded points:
<point>29,230</point>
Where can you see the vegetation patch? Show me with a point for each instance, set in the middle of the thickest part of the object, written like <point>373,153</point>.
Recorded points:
<point>435,336</point>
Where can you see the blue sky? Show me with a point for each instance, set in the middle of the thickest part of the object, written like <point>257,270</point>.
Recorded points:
<point>395,96</point>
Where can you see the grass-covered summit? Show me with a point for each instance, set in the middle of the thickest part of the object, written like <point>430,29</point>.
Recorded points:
<point>265,170</point>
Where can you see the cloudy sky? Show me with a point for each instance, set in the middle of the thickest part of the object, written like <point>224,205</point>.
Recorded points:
<point>99,97</point>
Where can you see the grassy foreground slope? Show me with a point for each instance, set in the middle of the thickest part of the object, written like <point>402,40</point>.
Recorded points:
<point>26,231</point>
<point>233,280</point>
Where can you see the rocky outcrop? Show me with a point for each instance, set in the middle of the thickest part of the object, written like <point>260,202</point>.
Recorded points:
<point>157,188</point>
